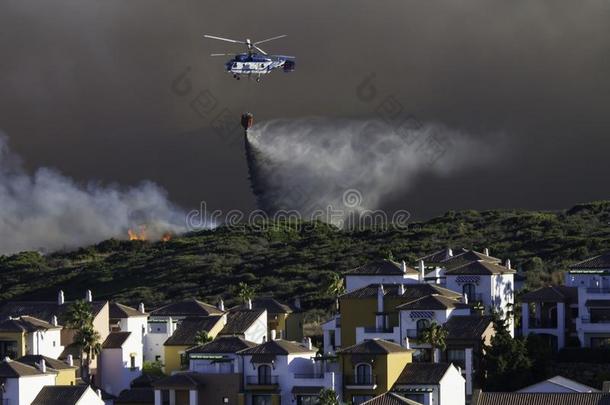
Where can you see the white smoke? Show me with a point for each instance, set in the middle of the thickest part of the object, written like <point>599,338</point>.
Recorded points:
<point>309,164</point>
<point>49,211</point>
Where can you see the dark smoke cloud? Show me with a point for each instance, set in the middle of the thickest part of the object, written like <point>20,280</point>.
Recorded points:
<point>311,164</point>
<point>47,210</point>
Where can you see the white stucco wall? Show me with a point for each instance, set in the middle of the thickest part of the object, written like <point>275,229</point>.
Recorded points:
<point>116,371</point>
<point>23,390</point>
<point>45,342</point>
<point>452,389</point>
<point>90,397</point>
<point>257,332</point>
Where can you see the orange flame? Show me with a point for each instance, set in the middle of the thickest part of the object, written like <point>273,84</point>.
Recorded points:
<point>166,237</point>
<point>135,235</point>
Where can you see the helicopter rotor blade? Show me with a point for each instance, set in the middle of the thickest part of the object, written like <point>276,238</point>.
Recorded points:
<point>259,49</point>
<point>224,39</point>
<point>223,54</point>
<point>269,39</point>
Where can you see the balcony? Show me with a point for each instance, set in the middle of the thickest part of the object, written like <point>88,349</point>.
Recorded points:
<point>262,381</point>
<point>598,290</point>
<point>308,376</point>
<point>542,323</point>
<point>374,329</point>
<point>373,332</point>
<point>361,381</point>
<point>414,333</point>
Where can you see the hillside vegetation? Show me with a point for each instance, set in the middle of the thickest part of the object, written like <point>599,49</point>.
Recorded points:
<point>288,260</point>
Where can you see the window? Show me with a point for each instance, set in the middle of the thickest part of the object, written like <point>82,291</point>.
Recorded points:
<point>470,291</point>
<point>132,361</point>
<point>364,375</point>
<point>457,357</point>
<point>422,325</point>
<point>264,374</point>
<point>261,399</point>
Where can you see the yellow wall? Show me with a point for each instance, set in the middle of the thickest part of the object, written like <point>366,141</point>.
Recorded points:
<point>66,377</point>
<point>386,368</point>
<point>361,312</point>
<point>18,337</point>
<point>172,358</point>
<point>294,326</point>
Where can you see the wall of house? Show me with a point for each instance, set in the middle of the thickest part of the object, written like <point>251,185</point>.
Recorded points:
<point>173,358</point>
<point>294,326</point>
<point>157,333</point>
<point>356,312</point>
<point>90,397</point>
<point>116,371</point>
<point>257,332</point>
<point>29,387</point>
<point>46,343</point>
<point>217,387</point>
<point>452,388</point>
<point>210,366</point>
<point>137,325</point>
<point>66,376</point>
<point>396,362</point>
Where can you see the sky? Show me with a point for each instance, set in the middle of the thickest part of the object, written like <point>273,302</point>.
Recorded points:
<point>103,91</point>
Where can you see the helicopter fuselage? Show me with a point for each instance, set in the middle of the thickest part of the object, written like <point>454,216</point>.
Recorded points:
<point>257,64</point>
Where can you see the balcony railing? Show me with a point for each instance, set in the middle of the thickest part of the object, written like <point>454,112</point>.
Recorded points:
<point>414,333</point>
<point>375,329</point>
<point>308,376</point>
<point>542,323</point>
<point>589,320</point>
<point>256,380</point>
<point>598,290</point>
<point>362,380</point>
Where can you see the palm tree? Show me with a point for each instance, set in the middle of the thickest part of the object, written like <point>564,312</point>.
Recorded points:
<point>435,335</point>
<point>80,318</point>
<point>202,337</point>
<point>335,288</point>
<point>245,292</point>
<point>88,339</point>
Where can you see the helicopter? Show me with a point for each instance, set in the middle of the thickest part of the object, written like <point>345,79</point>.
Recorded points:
<point>255,62</point>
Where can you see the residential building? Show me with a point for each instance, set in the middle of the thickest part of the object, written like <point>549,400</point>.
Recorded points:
<point>21,383</point>
<point>127,319</point>
<point>163,321</point>
<point>382,271</point>
<point>577,313</point>
<point>28,335</point>
<point>185,337</point>
<point>180,389</point>
<point>120,361</point>
<point>68,395</point>
<point>550,313</point>
<point>285,320</point>
<point>249,324</point>
<point>431,384</point>
<point>558,384</point>
<point>65,373</point>
<point>467,336</point>
<point>371,368</point>
<point>280,371</point>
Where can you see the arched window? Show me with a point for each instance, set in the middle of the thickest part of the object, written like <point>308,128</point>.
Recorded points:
<point>470,291</point>
<point>364,374</point>
<point>264,374</point>
<point>422,325</point>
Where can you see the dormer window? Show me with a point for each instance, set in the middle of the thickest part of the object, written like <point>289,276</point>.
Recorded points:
<point>364,374</point>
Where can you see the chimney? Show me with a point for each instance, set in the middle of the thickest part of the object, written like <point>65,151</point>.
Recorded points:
<point>221,305</point>
<point>401,289</point>
<point>88,296</point>
<point>54,320</point>
<point>606,386</point>
<point>404,267</point>
<point>308,343</point>
<point>465,298</point>
<point>508,264</point>
<point>407,343</point>
<point>437,275</point>
<point>249,303</point>
<point>273,334</point>
<point>43,366</point>
<point>70,360</point>
<point>60,298</point>
<point>486,252</point>
<point>98,392</point>
<point>297,303</point>
<point>449,252</point>
<point>7,359</point>
<point>264,339</point>
<point>141,308</point>
<point>380,294</point>
<point>422,274</point>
